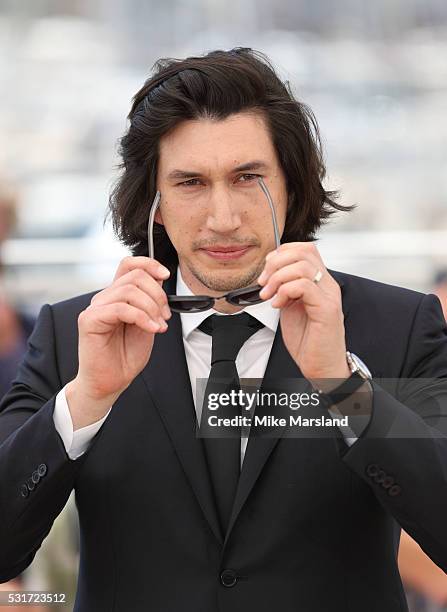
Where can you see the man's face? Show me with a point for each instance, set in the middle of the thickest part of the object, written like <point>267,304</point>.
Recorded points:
<point>211,200</point>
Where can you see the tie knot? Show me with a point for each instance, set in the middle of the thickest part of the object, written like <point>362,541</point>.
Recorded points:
<point>229,332</point>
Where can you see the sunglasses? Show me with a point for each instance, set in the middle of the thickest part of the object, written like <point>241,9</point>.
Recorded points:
<point>245,296</point>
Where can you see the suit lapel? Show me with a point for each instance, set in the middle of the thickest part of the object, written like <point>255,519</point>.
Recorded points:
<point>167,379</point>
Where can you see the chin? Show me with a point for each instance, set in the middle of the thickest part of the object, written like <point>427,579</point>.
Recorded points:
<point>227,280</point>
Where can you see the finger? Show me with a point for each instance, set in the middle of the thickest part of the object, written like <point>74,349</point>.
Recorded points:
<point>142,279</point>
<point>131,295</point>
<point>306,246</point>
<point>100,319</point>
<point>282,258</point>
<point>293,271</point>
<point>288,245</point>
<point>153,267</point>
<point>302,289</point>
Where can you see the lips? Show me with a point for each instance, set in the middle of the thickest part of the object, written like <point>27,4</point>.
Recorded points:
<point>227,252</point>
<point>227,249</point>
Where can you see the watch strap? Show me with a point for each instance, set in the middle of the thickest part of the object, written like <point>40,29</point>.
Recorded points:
<point>343,391</point>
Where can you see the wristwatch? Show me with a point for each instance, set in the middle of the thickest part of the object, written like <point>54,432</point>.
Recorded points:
<point>359,375</point>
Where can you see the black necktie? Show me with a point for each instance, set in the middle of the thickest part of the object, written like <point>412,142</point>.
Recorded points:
<point>224,453</point>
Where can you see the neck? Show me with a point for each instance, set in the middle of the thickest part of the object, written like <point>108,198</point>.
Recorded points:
<point>198,288</point>
<point>225,307</point>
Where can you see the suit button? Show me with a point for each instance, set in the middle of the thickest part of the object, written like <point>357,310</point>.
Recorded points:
<point>372,470</point>
<point>35,477</point>
<point>388,482</point>
<point>24,491</point>
<point>394,490</point>
<point>228,578</point>
<point>380,477</point>
<point>42,469</point>
<point>30,484</point>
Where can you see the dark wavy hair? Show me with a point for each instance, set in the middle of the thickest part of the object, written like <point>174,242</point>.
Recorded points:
<point>215,86</point>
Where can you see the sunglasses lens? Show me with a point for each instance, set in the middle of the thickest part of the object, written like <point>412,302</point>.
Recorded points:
<point>245,297</point>
<point>189,303</point>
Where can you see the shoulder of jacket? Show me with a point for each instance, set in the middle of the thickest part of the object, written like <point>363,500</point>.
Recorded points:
<point>368,289</point>
<point>73,306</point>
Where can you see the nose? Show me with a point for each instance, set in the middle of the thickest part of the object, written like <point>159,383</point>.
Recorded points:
<point>223,211</point>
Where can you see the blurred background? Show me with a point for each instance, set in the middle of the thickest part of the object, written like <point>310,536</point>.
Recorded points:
<point>374,73</point>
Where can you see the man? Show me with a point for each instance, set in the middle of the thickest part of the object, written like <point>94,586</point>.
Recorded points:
<point>103,401</point>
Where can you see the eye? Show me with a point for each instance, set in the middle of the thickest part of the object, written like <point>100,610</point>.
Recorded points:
<point>247,178</point>
<point>190,182</point>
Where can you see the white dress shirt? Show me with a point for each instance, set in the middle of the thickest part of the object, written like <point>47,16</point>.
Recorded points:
<point>251,362</point>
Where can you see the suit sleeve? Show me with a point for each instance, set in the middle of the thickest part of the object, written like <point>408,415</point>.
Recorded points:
<point>402,454</point>
<point>36,474</point>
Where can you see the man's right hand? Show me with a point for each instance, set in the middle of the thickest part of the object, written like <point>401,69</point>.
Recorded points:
<point>116,336</point>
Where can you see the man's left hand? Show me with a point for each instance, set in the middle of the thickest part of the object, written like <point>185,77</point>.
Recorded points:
<point>312,320</point>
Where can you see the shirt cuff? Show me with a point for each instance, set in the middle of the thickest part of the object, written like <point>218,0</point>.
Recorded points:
<point>75,442</point>
<point>348,435</point>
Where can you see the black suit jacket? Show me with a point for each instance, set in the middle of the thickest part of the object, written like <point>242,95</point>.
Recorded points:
<point>315,524</point>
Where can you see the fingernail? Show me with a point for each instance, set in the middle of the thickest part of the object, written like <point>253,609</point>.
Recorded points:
<point>262,278</point>
<point>163,271</point>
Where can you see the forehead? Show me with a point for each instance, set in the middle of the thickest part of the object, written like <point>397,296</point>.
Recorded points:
<point>220,143</point>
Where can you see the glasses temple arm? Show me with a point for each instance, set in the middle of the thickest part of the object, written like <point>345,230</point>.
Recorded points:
<point>272,208</point>
<point>150,224</point>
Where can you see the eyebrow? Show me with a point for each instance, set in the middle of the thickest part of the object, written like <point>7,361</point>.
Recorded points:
<point>186,174</point>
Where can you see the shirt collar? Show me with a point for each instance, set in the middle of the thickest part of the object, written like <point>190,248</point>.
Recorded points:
<point>263,311</point>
